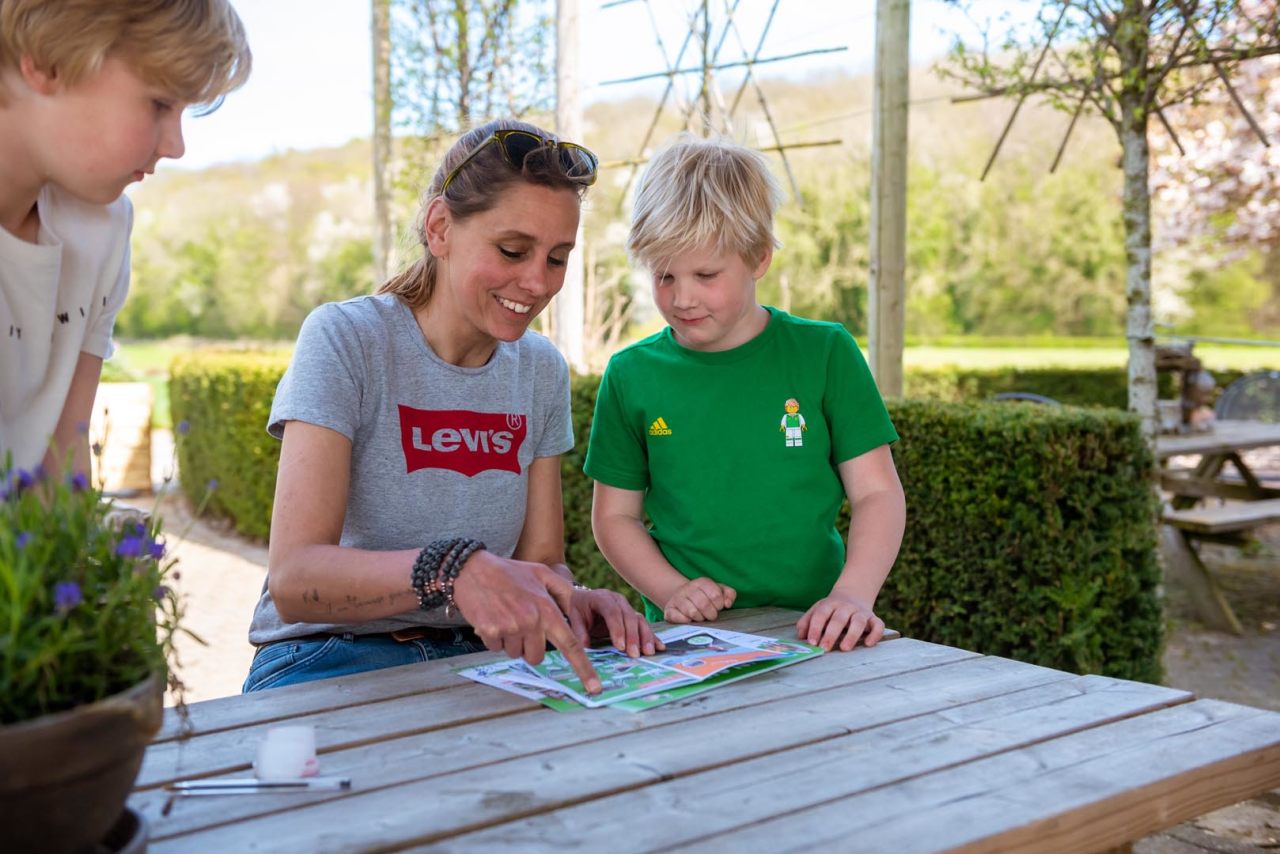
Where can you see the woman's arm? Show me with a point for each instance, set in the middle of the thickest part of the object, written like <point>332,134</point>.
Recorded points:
<point>311,578</point>
<point>542,537</point>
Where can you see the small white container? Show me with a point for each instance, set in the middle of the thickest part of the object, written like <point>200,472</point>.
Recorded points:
<point>287,753</point>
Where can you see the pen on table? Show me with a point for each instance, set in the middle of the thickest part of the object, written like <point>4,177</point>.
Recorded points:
<point>249,784</point>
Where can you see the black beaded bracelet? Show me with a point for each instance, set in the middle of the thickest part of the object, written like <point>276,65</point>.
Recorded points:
<point>436,569</point>
<point>424,568</point>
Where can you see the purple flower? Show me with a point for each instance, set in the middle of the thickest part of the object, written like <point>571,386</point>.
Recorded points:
<point>22,539</point>
<point>156,549</point>
<point>130,547</point>
<point>184,427</point>
<point>139,529</point>
<point>25,480</point>
<point>39,473</point>
<point>212,485</point>
<point>66,595</point>
<point>160,592</point>
<point>79,482</point>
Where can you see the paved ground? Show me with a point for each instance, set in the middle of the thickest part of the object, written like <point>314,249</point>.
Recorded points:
<point>222,574</point>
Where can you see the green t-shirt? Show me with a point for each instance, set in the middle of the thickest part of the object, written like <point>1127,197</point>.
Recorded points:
<point>728,493</point>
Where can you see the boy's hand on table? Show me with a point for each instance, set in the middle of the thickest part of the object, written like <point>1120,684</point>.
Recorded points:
<point>698,600</point>
<point>596,614</point>
<point>840,619</point>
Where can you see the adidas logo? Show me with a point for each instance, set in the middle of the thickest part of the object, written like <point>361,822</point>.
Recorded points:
<point>659,427</point>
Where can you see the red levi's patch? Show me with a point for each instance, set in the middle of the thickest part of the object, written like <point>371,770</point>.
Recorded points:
<point>461,440</point>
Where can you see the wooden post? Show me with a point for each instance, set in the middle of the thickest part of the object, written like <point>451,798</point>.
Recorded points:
<point>886,310</point>
<point>568,305</point>
<point>381,30</point>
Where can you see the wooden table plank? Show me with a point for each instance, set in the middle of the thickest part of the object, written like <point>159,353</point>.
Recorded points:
<point>282,704</point>
<point>395,760</point>
<point>716,801</point>
<point>450,700</point>
<point>1087,791</point>
<point>1226,436</point>
<point>442,805</point>
<point>1226,517</point>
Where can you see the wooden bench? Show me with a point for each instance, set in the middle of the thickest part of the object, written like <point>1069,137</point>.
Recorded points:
<point>1228,523</point>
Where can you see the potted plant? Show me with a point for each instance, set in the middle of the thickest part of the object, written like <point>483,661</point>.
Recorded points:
<point>87,624</point>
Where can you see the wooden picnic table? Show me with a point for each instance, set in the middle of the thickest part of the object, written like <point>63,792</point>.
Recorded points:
<point>1226,442</point>
<point>1231,523</point>
<point>905,747</point>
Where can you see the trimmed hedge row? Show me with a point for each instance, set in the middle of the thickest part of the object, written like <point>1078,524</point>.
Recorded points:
<point>1031,534</point>
<point>1107,387</point>
<point>1030,530</point>
<point>220,404</point>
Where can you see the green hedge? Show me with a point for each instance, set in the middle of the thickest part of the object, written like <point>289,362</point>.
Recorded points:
<point>1030,534</point>
<point>1030,529</point>
<point>220,404</point>
<point>1107,387</point>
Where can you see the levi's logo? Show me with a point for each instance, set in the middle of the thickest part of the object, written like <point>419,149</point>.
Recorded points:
<point>461,440</point>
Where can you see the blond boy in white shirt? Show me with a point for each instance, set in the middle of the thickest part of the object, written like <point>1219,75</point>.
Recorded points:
<point>91,98</point>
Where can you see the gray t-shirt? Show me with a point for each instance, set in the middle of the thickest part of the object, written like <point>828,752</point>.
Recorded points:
<point>437,450</point>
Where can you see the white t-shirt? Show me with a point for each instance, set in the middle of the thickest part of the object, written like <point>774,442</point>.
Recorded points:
<point>59,297</point>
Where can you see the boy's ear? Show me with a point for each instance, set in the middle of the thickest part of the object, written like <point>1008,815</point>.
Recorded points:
<point>763,266</point>
<point>436,226</point>
<point>41,81</point>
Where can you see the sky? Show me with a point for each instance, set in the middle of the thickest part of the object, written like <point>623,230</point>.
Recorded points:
<point>311,85</point>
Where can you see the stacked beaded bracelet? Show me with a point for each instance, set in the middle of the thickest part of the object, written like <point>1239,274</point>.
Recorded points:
<point>437,567</point>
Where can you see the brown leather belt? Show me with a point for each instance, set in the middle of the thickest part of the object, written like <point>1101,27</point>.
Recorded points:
<point>412,633</point>
<point>432,633</point>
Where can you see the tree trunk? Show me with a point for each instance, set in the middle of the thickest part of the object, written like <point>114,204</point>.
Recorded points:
<point>569,304</point>
<point>1132,43</point>
<point>886,289</point>
<point>381,140</point>
<point>464,64</point>
<point>1137,242</point>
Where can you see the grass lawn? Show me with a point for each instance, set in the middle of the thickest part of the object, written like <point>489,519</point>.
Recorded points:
<point>1212,355</point>
<point>148,361</point>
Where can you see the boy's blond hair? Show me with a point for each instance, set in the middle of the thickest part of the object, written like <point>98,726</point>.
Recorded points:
<point>701,192</point>
<point>194,50</point>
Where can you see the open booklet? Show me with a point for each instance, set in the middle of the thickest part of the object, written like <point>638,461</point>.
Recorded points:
<point>696,659</point>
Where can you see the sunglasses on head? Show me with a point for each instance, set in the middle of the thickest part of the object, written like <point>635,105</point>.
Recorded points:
<point>576,163</point>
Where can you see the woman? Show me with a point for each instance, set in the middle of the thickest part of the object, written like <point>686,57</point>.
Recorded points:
<point>419,481</point>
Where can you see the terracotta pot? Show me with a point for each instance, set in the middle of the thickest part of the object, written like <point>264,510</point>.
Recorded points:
<point>64,777</point>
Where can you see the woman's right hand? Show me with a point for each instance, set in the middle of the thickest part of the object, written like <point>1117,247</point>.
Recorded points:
<point>517,606</point>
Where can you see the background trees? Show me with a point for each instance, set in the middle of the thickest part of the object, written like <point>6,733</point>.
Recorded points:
<point>1127,61</point>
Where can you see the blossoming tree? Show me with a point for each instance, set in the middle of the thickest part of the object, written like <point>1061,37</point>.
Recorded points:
<point>1128,61</point>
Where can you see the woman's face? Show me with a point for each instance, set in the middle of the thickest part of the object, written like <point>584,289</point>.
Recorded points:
<point>499,268</point>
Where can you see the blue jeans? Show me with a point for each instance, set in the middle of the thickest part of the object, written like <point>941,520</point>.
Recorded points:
<point>289,662</point>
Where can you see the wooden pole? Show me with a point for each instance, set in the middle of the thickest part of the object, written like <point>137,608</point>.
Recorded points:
<point>886,310</point>
<point>568,306</point>
<point>381,30</point>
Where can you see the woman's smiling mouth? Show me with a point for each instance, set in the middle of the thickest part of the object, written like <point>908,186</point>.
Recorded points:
<point>517,307</point>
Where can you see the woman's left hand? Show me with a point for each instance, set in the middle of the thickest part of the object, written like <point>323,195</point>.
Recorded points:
<point>597,613</point>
